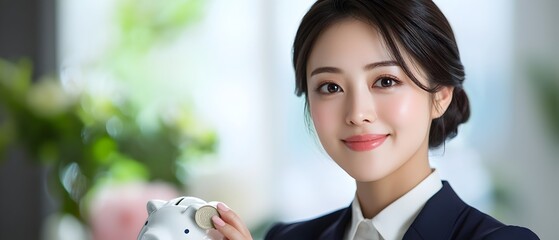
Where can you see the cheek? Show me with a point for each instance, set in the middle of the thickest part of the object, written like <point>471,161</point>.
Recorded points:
<point>323,116</point>
<point>406,110</point>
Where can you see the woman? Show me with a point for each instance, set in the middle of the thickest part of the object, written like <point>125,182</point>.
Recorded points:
<point>383,83</point>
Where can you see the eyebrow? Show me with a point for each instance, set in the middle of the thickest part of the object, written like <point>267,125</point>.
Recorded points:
<point>367,67</point>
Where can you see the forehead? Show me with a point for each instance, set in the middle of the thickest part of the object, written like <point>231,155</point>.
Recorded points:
<point>347,43</point>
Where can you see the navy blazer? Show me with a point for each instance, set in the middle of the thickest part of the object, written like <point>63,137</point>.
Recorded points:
<point>444,216</point>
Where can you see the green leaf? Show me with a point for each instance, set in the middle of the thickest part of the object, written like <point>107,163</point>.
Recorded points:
<point>127,169</point>
<point>103,149</point>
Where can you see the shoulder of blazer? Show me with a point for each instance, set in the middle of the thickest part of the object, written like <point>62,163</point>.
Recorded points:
<point>329,226</point>
<point>446,216</point>
<point>511,232</point>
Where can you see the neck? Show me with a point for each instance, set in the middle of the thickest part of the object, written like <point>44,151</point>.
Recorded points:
<point>376,195</point>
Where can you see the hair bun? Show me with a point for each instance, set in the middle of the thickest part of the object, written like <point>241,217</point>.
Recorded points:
<point>446,126</point>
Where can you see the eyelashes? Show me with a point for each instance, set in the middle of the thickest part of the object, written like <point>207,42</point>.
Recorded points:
<point>328,88</point>
<point>386,81</point>
<point>383,82</point>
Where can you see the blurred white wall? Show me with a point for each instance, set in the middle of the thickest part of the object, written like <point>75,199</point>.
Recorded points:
<point>530,162</point>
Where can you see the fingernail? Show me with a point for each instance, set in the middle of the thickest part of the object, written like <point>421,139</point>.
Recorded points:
<point>218,221</point>
<point>223,207</point>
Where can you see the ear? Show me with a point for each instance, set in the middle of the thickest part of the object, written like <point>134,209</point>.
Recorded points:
<point>154,205</point>
<point>441,100</point>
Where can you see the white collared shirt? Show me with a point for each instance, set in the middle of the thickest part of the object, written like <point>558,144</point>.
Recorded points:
<point>394,220</point>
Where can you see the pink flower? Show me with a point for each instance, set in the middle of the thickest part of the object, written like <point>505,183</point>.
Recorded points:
<point>118,212</point>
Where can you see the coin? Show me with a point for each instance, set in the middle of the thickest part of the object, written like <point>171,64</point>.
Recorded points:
<point>203,216</point>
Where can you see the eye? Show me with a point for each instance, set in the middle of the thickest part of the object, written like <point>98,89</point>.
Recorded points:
<point>386,82</point>
<point>186,231</point>
<point>329,88</point>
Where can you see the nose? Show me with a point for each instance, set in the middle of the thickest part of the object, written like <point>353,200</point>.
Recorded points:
<point>360,108</point>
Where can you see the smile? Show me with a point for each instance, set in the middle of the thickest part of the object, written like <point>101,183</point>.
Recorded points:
<point>365,142</point>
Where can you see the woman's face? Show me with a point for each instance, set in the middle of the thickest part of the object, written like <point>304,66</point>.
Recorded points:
<point>369,116</point>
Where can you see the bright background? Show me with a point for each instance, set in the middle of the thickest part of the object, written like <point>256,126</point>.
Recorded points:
<point>227,67</point>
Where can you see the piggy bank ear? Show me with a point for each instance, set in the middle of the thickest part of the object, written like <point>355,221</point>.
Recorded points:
<point>154,205</point>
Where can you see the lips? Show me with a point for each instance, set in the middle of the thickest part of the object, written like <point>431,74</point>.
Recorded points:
<point>365,142</point>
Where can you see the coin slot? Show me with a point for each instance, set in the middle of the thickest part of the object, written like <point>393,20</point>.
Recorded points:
<point>176,204</point>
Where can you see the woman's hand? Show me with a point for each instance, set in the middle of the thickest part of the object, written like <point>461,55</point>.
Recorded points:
<point>229,224</point>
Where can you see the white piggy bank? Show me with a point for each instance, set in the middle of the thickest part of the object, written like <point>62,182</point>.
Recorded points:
<point>175,219</point>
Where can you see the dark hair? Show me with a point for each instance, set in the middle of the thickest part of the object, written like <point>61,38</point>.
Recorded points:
<point>416,26</point>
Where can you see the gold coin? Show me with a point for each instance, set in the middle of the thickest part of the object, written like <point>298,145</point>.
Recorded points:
<point>203,216</point>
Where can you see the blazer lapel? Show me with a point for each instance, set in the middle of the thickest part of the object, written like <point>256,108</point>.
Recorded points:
<point>336,231</point>
<point>436,219</point>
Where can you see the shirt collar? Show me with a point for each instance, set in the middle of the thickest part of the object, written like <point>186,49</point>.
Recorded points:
<point>394,220</point>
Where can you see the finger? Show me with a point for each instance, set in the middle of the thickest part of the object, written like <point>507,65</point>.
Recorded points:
<point>228,231</point>
<point>231,218</point>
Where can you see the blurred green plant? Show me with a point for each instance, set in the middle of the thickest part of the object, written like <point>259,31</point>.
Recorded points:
<point>144,23</point>
<point>546,85</point>
<point>89,137</point>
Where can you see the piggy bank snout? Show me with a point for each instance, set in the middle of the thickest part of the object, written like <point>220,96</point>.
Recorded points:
<point>156,236</point>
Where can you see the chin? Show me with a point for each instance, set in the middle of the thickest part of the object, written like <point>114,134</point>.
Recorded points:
<point>361,175</point>
<point>368,168</point>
